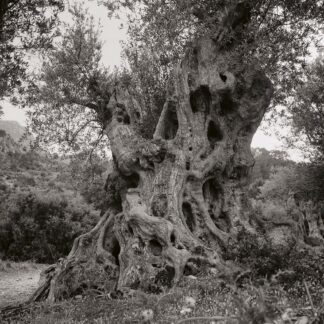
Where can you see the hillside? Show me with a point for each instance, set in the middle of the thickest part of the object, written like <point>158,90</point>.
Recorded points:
<point>21,167</point>
<point>16,132</point>
<point>13,128</point>
<point>7,144</point>
<point>41,209</point>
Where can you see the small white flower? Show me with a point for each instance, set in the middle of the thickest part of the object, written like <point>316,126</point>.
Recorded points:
<point>185,310</point>
<point>190,302</point>
<point>147,315</point>
<point>287,315</point>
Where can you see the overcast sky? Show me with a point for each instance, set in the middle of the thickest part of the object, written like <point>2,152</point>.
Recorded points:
<point>112,36</point>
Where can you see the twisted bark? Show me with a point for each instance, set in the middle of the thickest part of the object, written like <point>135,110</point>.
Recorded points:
<point>182,192</point>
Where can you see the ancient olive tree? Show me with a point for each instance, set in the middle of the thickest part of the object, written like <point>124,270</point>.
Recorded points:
<point>176,196</point>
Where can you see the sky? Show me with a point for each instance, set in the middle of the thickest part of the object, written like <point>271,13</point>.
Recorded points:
<point>112,36</point>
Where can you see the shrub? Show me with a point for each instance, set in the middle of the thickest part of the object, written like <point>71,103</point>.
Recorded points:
<point>42,227</point>
<point>256,253</point>
<point>271,211</point>
<point>27,180</point>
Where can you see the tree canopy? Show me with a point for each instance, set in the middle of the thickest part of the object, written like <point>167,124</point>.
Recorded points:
<point>25,25</point>
<point>68,96</point>
<point>306,111</point>
<point>277,34</point>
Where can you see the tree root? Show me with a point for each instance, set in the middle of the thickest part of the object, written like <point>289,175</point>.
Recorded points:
<point>87,252</point>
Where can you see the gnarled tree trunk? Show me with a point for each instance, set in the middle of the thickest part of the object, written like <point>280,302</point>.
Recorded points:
<point>178,197</point>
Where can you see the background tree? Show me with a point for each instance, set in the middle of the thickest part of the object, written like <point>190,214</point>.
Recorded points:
<point>177,197</point>
<point>304,180</point>
<point>63,96</point>
<point>267,161</point>
<point>89,177</point>
<point>266,164</point>
<point>24,25</point>
<point>276,33</point>
<point>306,112</point>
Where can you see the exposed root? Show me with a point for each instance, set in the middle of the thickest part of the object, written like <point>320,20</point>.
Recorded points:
<point>103,256</point>
<point>43,290</point>
<point>87,252</point>
<point>220,236</point>
<point>79,241</point>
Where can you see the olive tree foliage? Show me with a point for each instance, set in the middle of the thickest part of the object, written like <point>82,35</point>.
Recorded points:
<point>306,112</point>
<point>73,83</point>
<point>276,32</point>
<point>304,180</point>
<point>266,162</point>
<point>25,25</point>
<point>68,95</point>
<point>89,178</point>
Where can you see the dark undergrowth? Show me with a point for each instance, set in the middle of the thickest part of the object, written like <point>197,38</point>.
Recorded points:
<point>288,267</point>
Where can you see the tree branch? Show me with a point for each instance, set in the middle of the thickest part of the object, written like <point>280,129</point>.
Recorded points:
<point>80,129</point>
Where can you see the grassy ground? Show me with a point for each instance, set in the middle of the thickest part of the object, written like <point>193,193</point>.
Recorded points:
<point>9,266</point>
<point>203,299</point>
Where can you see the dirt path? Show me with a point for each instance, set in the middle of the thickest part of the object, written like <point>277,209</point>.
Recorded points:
<point>18,285</point>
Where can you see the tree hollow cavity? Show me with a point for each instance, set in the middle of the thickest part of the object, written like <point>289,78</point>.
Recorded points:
<point>122,116</point>
<point>111,244</point>
<point>171,123</point>
<point>200,100</point>
<point>132,180</point>
<point>214,133</point>
<point>227,105</point>
<point>115,249</point>
<point>213,196</point>
<point>189,216</point>
<point>187,165</point>
<point>155,247</point>
<point>223,77</point>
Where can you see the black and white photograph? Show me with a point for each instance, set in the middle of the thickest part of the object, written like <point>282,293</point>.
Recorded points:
<point>161,161</point>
